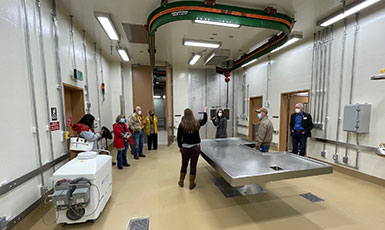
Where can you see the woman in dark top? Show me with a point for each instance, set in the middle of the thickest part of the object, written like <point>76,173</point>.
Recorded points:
<point>221,123</point>
<point>188,143</point>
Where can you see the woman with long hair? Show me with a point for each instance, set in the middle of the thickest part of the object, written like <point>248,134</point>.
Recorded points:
<point>188,143</point>
<point>85,128</point>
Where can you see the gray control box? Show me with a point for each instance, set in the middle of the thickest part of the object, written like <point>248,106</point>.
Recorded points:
<point>357,118</point>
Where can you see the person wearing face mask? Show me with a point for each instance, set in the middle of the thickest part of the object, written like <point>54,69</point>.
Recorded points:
<point>264,135</point>
<point>122,137</point>
<point>300,128</point>
<point>136,124</point>
<point>221,123</point>
<point>152,130</point>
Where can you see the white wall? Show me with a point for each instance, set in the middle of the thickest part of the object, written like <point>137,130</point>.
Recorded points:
<point>291,71</point>
<point>19,153</point>
<point>181,92</point>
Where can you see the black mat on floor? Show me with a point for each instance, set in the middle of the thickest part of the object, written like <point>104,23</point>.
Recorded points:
<point>311,197</point>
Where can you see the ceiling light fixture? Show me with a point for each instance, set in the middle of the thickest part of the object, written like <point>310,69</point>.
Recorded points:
<point>123,54</point>
<point>226,24</point>
<point>107,24</point>
<point>194,59</point>
<point>294,37</point>
<point>351,9</point>
<point>199,43</point>
<point>250,62</point>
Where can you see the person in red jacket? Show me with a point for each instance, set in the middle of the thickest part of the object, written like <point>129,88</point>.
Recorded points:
<point>122,137</point>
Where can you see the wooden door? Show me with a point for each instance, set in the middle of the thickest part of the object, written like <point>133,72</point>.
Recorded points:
<point>74,109</point>
<point>288,102</point>
<point>255,103</point>
<point>142,86</point>
<point>169,105</point>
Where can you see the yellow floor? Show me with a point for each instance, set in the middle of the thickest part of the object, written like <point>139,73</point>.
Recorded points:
<point>149,188</point>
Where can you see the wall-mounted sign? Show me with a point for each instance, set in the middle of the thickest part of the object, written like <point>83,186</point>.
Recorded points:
<point>53,114</point>
<point>69,121</point>
<point>54,126</point>
<point>78,75</point>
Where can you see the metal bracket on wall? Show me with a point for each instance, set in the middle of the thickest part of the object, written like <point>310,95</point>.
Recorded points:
<point>350,146</point>
<point>21,180</point>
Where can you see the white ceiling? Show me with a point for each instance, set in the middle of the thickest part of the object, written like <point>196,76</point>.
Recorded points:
<point>169,37</point>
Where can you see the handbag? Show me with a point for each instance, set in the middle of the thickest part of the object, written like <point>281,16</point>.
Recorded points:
<point>80,144</point>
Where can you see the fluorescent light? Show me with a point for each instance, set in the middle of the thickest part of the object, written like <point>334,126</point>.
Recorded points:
<point>232,25</point>
<point>123,54</point>
<point>106,22</point>
<point>194,59</point>
<point>294,37</point>
<point>244,65</point>
<point>157,97</point>
<point>351,10</point>
<point>197,43</point>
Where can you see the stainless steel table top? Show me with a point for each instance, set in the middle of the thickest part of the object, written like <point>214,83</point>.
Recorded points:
<point>242,165</point>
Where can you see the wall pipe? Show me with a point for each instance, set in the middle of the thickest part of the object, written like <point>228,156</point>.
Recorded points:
<point>316,76</point>
<point>72,42</point>
<point>101,70</point>
<point>312,75</point>
<point>325,127</point>
<point>86,86</point>
<point>340,90</point>
<point>352,81</point>
<point>123,110</point>
<point>44,72</point>
<point>97,84</point>
<point>58,73</point>
<point>321,64</point>
<point>31,79</point>
<point>267,104</point>
<point>324,78</point>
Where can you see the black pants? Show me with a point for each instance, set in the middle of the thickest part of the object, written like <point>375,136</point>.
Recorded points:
<point>192,155</point>
<point>299,139</point>
<point>152,139</point>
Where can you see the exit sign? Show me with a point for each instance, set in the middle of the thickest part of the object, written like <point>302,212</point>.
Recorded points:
<point>78,75</point>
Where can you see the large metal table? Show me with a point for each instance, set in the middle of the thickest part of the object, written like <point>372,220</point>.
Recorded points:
<point>240,164</point>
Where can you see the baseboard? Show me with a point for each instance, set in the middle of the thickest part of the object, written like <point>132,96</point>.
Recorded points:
<point>355,173</point>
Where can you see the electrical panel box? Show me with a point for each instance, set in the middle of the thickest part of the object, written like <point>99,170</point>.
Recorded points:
<point>357,118</point>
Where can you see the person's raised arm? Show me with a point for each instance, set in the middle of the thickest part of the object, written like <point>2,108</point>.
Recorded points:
<point>203,121</point>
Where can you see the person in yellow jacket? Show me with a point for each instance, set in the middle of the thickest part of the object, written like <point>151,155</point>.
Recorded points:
<point>151,122</point>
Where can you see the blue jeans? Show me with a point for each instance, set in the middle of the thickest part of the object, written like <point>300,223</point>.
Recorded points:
<point>265,148</point>
<point>138,142</point>
<point>122,155</point>
<point>298,139</point>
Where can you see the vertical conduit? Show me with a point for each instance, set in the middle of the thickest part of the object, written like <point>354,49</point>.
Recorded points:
<point>101,70</point>
<point>324,77</point>
<point>352,81</point>
<point>72,42</point>
<point>340,89</point>
<point>321,61</point>
<point>44,72</point>
<point>86,86</point>
<point>31,79</point>
<point>267,104</point>
<point>331,39</point>
<point>316,76</point>
<point>312,76</point>
<point>58,73</point>
<point>97,84</point>
<point>123,91</point>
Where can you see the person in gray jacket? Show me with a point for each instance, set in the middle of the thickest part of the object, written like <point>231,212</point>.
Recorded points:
<point>264,135</point>
<point>220,122</point>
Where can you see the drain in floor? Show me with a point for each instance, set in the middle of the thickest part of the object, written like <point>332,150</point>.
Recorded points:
<point>140,223</point>
<point>311,197</point>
